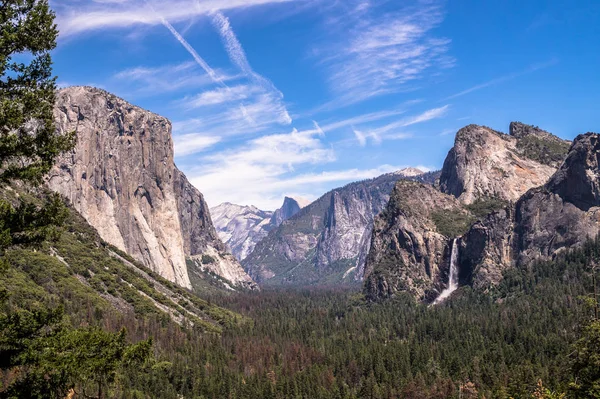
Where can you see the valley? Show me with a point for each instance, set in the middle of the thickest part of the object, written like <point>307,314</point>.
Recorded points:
<point>412,284</point>
<point>234,248</point>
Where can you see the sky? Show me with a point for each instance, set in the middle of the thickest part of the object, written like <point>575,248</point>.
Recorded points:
<point>270,98</point>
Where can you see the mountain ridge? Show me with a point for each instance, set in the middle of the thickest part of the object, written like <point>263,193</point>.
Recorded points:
<point>242,227</point>
<point>327,241</point>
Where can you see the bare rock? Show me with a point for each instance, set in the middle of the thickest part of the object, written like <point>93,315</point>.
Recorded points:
<point>485,163</point>
<point>410,247</point>
<point>326,242</point>
<point>122,178</point>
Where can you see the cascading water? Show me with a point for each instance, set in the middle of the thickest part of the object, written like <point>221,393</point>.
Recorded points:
<point>453,278</point>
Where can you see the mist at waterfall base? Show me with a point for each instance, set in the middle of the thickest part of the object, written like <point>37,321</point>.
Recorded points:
<point>453,278</point>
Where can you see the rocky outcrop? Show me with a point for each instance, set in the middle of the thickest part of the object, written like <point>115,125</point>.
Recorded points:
<point>241,227</point>
<point>290,207</point>
<point>411,244</point>
<point>539,145</point>
<point>564,212</point>
<point>122,178</point>
<point>485,163</point>
<point>561,214</point>
<point>487,249</point>
<point>327,241</point>
<point>517,206</point>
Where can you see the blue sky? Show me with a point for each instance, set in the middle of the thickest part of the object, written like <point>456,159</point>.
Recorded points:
<point>273,97</point>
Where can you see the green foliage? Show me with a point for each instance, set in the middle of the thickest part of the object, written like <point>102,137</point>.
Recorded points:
<point>53,359</point>
<point>544,150</point>
<point>586,363</point>
<point>309,343</point>
<point>207,259</point>
<point>332,344</point>
<point>484,206</point>
<point>29,142</point>
<point>29,223</point>
<point>452,224</point>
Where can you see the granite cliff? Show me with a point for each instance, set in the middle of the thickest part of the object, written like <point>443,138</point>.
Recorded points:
<point>122,179</point>
<point>485,163</point>
<point>517,202</point>
<point>411,242</point>
<point>242,227</point>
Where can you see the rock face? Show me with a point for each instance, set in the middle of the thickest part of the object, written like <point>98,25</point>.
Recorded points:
<point>122,178</point>
<point>488,164</point>
<point>290,207</point>
<point>242,227</point>
<point>539,145</point>
<point>564,212</point>
<point>411,243</point>
<point>327,241</point>
<point>517,205</point>
<point>486,250</point>
<point>546,220</point>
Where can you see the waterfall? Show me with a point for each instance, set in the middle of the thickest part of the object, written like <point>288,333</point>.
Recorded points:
<point>453,278</point>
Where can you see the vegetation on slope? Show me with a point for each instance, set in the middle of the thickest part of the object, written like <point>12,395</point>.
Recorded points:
<point>548,151</point>
<point>332,344</point>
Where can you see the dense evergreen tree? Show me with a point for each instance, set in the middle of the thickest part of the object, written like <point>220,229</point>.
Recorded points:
<point>40,355</point>
<point>29,142</point>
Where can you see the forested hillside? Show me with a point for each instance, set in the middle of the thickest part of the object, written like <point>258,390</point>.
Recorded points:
<point>315,344</point>
<point>323,344</point>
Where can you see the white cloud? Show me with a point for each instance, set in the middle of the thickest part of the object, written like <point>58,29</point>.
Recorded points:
<point>75,17</point>
<point>192,143</point>
<point>360,119</point>
<point>446,132</point>
<point>199,60</point>
<point>384,53</point>
<point>362,137</point>
<point>237,55</point>
<point>219,96</point>
<point>255,171</point>
<point>268,192</point>
<point>263,170</point>
<point>390,130</point>
<point>260,112</point>
<point>166,78</point>
<point>341,176</point>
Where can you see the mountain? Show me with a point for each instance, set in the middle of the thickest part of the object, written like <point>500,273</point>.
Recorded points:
<point>412,241</point>
<point>290,207</point>
<point>122,179</point>
<point>327,241</point>
<point>545,221</point>
<point>485,163</point>
<point>497,209</point>
<point>241,227</point>
<point>98,284</point>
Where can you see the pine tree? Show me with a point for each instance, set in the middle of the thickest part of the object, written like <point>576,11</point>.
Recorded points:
<point>44,357</point>
<point>586,357</point>
<point>29,142</point>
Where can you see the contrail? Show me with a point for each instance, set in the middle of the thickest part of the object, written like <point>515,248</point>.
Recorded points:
<point>237,55</point>
<point>200,61</point>
<point>236,52</point>
<point>213,75</point>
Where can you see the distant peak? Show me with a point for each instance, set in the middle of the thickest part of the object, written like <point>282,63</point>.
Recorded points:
<point>409,172</point>
<point>300,201</point>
